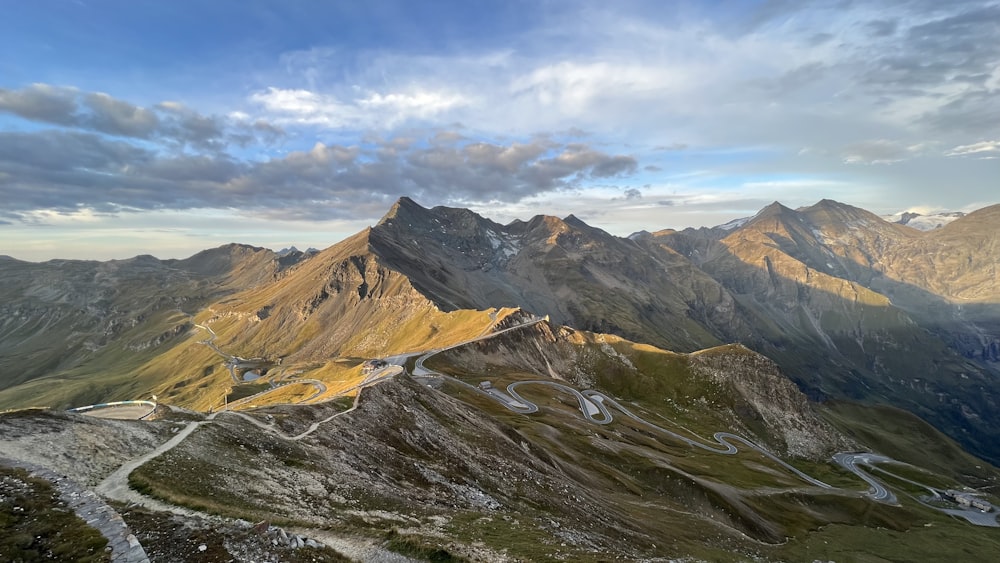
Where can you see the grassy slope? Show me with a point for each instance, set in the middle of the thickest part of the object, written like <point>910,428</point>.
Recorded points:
<point>905,437</point>
<point>836,526</point>
<point>36,525</point>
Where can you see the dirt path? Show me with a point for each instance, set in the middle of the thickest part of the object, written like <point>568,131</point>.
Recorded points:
<point>115,486</point>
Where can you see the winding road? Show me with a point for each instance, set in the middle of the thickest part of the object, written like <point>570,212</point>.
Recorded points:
<point>594,403</point>
<point>594,407</point>
<point>877,490</point>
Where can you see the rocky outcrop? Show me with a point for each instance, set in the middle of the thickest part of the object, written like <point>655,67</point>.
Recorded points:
<point>773,399</point>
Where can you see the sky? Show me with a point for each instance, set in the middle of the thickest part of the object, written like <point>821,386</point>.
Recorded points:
<point>166,127</point>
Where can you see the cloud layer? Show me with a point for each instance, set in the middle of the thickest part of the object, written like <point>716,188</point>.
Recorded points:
<point>95,164</point>
<point>638,113</point>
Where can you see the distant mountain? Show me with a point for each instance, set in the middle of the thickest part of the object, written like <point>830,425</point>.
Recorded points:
<point>85,325</point>
<point>292,251</point>
<point>924,222</point>
<point>854,306</point>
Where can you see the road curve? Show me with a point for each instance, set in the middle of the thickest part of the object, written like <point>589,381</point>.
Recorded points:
<point>115,486</point>
<point>594,407</point>
<point>724,441</point>
<point>122,410</point>
<point>877,490</point>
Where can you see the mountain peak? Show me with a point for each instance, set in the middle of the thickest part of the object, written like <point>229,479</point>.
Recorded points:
<point>773,211</point>
<point>404,207</point>
<point>828,212</point>
<point>775,208</point>
<point>829,203</point>
<point>574,221</point>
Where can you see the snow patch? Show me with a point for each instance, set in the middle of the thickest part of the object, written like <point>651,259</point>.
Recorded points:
<point>495,241</point>
<point>925,221</point>
<point>734,224</point>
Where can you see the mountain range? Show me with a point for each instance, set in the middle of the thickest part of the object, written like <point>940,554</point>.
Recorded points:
<point>848,304</point>
<point>810,331</point>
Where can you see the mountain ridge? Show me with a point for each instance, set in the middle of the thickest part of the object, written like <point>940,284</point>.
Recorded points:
<point>787,283</point>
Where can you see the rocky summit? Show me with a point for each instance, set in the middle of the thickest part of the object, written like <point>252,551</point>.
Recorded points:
<point>806,384</point>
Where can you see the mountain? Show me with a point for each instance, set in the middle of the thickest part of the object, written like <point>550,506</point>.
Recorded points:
<point>71,331</point>
<point>848,304</point>
<point>578,396</point>
<point>564,268</point>
<point>862,308</point>
<point>924,222</point>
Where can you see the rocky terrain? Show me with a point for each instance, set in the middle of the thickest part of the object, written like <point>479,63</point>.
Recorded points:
<point>901,317</point>
<point>796,330</point>
<point>848,305</point>
<point>425,469</point>
<point>429,468</point>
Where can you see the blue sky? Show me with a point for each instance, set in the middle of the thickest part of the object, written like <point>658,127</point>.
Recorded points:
<point>131,127</point>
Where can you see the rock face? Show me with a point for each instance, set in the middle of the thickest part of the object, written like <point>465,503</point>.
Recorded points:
<point>783,410</point>
<point>576,274</point>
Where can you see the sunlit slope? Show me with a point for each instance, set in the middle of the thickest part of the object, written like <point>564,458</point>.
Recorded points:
<point>577,274</point>
<point>834,307</point>
<point>73,332</point>
<point>344,301</point>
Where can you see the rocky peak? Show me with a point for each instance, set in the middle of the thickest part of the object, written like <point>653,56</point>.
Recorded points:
<point>775,209</point>
<point>222,259</point>
<point>568,233</point>
<point>404,209</point>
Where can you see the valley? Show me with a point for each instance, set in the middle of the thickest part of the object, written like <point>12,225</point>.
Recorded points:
<point>442,386</point>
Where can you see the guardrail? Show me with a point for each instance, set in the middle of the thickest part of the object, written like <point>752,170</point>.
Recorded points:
<point>87,408</point>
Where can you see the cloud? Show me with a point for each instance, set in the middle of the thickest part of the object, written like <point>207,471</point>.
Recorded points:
<point>68,171</point>
<point>881,28</point>
<point>168,122</point>
<point>41,102</point>
<point>186,126</point>
<point>879,151</point>
<point>118,117</point>
<point>373,109</point>
<point>982,149</point>
<point>907,84</point>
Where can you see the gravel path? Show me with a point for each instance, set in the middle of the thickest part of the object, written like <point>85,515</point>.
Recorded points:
<point>115,486</point>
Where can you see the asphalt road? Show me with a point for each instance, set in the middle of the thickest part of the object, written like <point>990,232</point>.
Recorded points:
<point>876,491</point>
<point>594,407</point>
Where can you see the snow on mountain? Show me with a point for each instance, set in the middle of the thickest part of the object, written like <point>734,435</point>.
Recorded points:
<point>734,224</point>
<point>924,222</point>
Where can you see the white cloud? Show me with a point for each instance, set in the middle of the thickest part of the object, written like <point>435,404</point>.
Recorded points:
<point>982,149</point>
<point>880,151</point>
<point>419,104</point>
<point>373,110</point>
